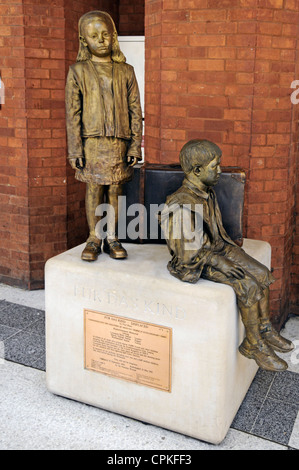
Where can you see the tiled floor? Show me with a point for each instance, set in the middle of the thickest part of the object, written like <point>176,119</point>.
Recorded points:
<point>22,331</point>
<point>269,411</point>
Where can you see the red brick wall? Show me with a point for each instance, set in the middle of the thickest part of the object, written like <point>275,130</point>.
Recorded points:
<point>14,211</point>
<point>131,17</point>
<point>44,31</point>
<point>295,252</point>
<point>154,96</point>
<point>222,70</point>
<point>295,264</point>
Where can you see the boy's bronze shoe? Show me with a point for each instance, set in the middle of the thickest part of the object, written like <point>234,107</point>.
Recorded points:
<point>274,339</point>
<point>263,355</point>
<point>91,251</point>
<point>114,249</point>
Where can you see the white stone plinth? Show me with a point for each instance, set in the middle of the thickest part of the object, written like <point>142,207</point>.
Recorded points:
<point>209,376</point>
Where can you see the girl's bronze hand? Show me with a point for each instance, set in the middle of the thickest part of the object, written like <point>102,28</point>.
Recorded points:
<point>77,163</point>
<point>132,161</point>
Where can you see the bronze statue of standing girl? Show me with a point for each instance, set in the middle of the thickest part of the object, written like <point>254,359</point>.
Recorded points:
<point>104,126</point>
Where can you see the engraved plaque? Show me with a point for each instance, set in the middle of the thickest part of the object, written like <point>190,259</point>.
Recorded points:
<point>128,349</point>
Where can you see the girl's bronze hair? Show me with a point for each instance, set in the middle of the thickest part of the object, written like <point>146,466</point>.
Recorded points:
<point>84,53</point>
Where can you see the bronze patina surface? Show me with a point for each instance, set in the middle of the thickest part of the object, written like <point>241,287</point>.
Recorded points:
<point>213,255</point>
<point>104,125</point>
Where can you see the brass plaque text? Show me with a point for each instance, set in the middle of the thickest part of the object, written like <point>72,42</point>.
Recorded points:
<point>128,349</point>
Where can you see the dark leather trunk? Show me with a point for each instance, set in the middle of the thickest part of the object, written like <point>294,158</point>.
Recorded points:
<point>152,184</point>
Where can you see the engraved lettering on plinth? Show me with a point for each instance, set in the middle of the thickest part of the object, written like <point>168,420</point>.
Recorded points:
<point>128,349</point>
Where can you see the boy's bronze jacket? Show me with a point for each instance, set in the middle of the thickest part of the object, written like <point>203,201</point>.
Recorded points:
<point>187,264</point>
<point>85,110</point>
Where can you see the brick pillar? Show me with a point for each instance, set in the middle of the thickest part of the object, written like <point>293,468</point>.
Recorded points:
<point>271,188</point>
<point>222,70</point>
<point>295,261</point>
<point>44,30</point>
<point>295,248</point>
<point>14,190</point>
<point>153,80</point>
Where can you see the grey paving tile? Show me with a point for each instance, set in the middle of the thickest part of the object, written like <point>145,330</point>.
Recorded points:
<point>40,364</point>
<point>247,413</point>
<point>262,382</point>
<point>253,401</point>
<point>4,304</point>
<point>38,327</point>
<point>285,387</point>
<point>24,348</point>
<point>19,316</point>
<point>275,421</point>
<point>294,439</point>
<point>7,331</point>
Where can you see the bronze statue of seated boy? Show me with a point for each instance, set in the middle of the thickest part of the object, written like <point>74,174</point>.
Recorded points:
<point>214,256</point>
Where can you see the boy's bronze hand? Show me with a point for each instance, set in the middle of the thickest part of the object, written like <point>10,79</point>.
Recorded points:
<point>228,268</point>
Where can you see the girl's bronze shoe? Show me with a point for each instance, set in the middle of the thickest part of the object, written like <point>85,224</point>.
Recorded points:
<point>274,339</point>
<point>91,251</point>
<point>114,249</point>
<point>263,355</point>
